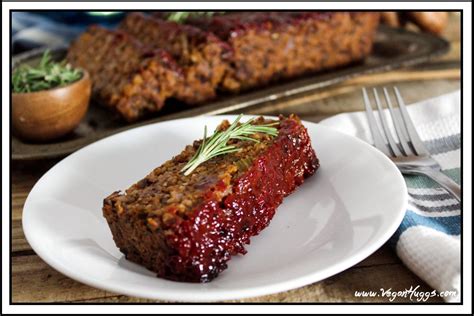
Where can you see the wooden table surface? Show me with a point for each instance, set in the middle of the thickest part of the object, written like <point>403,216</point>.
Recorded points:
<point>34,281</point>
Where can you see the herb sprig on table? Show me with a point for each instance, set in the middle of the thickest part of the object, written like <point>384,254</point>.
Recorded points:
<point>216,144</point>
<point>181,16</point>
<point>47,75</point>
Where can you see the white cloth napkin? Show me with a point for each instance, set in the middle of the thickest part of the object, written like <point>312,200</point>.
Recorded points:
<point>428,240</point>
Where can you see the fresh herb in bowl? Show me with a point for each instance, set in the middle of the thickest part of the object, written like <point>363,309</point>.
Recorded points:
<point>47,75</point>
<point>49,98</point>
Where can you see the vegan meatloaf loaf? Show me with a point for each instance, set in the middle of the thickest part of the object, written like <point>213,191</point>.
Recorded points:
<point>127,76</point>
<point>268,46</point>
<point>200,54</point>
<point>186,228</point>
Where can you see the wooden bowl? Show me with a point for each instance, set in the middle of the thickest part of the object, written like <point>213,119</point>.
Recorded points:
<point>49,114</point>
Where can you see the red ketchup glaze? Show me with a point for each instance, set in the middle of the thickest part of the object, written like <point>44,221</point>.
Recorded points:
<point>218,230</point>
<point>235,24</point>
<point>171,30</point>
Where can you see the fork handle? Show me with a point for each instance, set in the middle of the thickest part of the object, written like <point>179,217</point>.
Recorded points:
<point>443,180</point>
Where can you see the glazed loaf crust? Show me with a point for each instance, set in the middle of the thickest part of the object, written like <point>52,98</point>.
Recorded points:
<point>147,61</point>
<point>200,54</point>
<point>268,46</point>
<point>128,77</point>
<point>189,232</point>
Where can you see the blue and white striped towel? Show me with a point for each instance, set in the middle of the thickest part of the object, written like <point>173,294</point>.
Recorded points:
<point>428,240</point>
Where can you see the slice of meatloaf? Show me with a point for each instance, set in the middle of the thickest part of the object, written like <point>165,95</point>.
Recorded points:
<point>268,46</point>
<point>186,228</point>
<point>126,76</point>
<point>200,54</point>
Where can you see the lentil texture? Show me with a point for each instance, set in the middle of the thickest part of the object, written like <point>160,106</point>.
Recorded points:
<point>128,77</point>
<point>201,55</point>
<point>269,46</point>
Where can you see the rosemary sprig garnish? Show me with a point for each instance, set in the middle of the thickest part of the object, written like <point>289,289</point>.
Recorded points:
<point>216,144</point>
<point>181,16</point>
<point>47,75</point>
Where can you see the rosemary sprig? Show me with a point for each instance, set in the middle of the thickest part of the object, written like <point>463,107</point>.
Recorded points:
<point>216,144</point>
<point>181,16</point>
<point>46,75</point>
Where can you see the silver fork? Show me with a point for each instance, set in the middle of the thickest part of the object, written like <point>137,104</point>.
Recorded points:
<point>409,154</point>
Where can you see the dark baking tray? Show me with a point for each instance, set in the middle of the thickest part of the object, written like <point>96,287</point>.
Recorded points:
<point>394,48</point>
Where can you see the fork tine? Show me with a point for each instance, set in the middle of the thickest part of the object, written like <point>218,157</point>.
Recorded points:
<point>398,123</point>
<point>388,134</point>
<point>379,142</point>
<point>412,134</point>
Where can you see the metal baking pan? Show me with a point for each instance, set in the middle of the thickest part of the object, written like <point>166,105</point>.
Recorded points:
<point>393,48</point>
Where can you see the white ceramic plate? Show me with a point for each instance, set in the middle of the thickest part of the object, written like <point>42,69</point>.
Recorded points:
<point>338,217</point>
